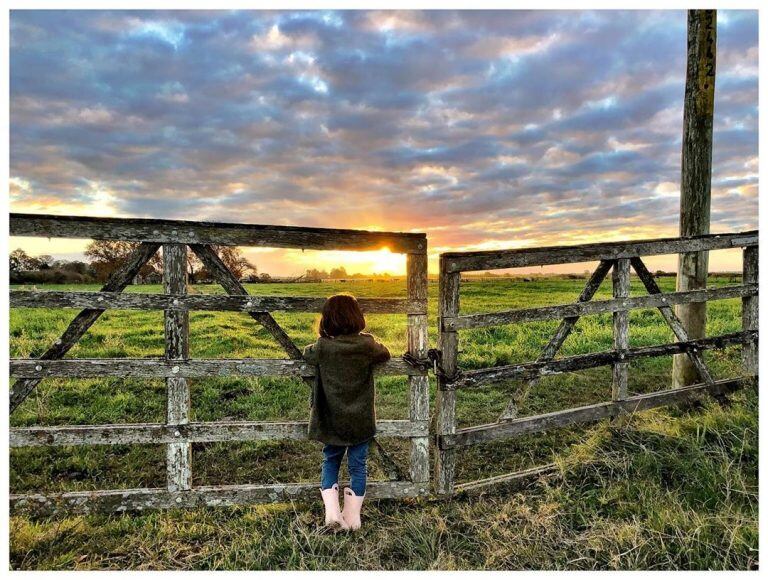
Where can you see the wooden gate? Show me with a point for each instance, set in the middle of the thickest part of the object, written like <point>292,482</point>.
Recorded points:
<point>616,258</point>
<point>177,238</point>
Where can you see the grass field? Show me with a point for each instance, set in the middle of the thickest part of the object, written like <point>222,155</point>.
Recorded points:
<point>675,488</point>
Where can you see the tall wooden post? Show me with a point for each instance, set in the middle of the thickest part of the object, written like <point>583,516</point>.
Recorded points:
<point>179,455</point>
<point>448,306</point>
<point>696,177</point>
<point>750,311</point>
<point>418,344</point>
<point>621,283</point>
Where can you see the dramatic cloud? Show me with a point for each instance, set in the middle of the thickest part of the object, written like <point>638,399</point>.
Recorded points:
<point>484,129</point>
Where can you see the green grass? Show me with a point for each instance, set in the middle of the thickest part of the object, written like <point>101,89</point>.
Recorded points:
<point>675,488</point>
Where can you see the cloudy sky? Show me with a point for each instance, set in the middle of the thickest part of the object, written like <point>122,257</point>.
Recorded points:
<point>483,129</point>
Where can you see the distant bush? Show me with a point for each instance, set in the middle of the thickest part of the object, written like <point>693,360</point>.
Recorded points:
<point>51,276</point>
<point>45,270</point>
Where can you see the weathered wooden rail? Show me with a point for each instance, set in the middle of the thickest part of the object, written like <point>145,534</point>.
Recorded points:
<point>618,258</point>
<point>118,301</point>
<point>176,238</point>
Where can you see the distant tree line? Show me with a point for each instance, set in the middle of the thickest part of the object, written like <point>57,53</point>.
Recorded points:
<point>45,270</point>
<point>105,256</point>
<point>340,273</point>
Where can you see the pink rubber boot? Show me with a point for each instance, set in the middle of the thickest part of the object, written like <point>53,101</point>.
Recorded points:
<point>333,517</point>
<point>352,506</point>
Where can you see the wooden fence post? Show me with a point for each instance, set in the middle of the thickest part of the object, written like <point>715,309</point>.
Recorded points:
<point>448,306</point>
<point>418,344</point>
<point>620,328</point>
<point>696,178</point>
<point>749,311</point>
<point>178,455</point>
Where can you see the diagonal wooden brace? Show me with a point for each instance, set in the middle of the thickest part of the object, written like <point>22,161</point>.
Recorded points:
<point>563,331</point>
<point>672,320</point>
<point>232,285</point>
<point>389,465</point>
<point>117,282</point>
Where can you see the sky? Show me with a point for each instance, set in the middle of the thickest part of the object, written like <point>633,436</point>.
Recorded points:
<point>483,129</point>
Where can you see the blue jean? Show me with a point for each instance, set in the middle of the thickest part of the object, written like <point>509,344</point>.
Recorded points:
<point>357,455</point>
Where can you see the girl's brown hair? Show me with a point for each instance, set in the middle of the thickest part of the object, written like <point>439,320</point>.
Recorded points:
<point>341,315</point>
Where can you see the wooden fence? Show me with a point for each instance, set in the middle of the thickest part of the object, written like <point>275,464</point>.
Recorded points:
<point>176,238</point>
<point>617,258</point>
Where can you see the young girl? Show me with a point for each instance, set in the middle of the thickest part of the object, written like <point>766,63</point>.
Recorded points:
<point>343,415</point>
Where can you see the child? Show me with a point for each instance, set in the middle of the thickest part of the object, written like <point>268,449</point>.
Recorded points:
<point>343,415</point>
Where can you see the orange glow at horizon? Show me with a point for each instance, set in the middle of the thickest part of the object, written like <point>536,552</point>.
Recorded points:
<point>281,262</point>
<point>295,262</point>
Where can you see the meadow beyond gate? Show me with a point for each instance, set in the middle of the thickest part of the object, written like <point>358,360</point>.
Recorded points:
<point>178,433</point>
<point>177,238</point>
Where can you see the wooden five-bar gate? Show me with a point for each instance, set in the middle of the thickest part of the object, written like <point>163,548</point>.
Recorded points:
<point>617,258</point>
<point>177,238</point>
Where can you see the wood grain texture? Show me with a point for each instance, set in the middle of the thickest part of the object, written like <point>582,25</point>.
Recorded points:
<point>225,234</point>
<point>496,259</point>
<point>696,178</point>
<point>621,286</point>
<point>193,368</point>
<point>418,344</point>
<point>158,433</point>
<point>137,500</point>
<point>117,282</point>
<point>750,311</point>
<point>204,302</point>
<point>579,309</point>
<point>178,454</point>
<point>484,484</point>
<point>445,400</point>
